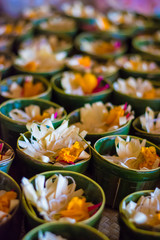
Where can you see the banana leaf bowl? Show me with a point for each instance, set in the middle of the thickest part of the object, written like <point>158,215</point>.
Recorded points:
<point>140,132</point>
<point>20,79</point>
<point>90,38</point>
<point>6,163</point>
<point>31,165</point>
<point>117,181</point>
<point>68,231</point>
<point>128,230</point>
<point>75,117</point>
<point>70,101</point>
<point>11,128</point>
<point>8,228</point>
<point>150,48</point>
<point>125,72</point>
<point>89,186</point>
<point>138,104</point>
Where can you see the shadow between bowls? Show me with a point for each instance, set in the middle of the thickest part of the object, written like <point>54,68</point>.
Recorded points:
<point>72,102</point>
<point>68,231</point>
<point>10,128</point>
<point>155,138</point>
<point>74,117</point>
<point>117,181</point>
<point>138,104</point>
<point>31,166</point>
<point>128,230</point>
<point>89,186</point>
<point>19,79</point>
<point>9,229</point>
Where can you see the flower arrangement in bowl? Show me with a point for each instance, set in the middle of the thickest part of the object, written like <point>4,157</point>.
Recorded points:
<point>138,92</point>
<point>137,66</point>
<point>74,89</point>
<point>64,231</point>
<point>65,197</point>
<point>6,62</point>
<point>148,125</point>
<point>83,14</point>
<point>15,114</point>
<point>38,14</point>
<point>100,47</point>
<point>10,197</point>
<point>131,163</point>
<point>86,64</point>
<point>100,119</point>
<point>25,86</point>
<point>139,215</point>
<point>59,25</point>
<point>6,156</point>
<point>44,148</point>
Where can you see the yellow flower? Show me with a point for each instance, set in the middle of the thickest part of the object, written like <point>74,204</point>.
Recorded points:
<point>88,82</point>
<point>85,61</point>
<point>77,209</point>
<point>149,155</point>
<point>71,154</point>
<point>114,115</point>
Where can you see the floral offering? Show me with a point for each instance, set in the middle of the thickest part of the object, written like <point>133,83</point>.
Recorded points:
<point>27,89</point>
<point>150,122</point>
<point>136,63</point>
<point>133,154</point>
<point>79,10</point>
<point>58,23</point>
<point>101,47</point>
<point>145,212</point>
<point>49,236</point>
<point>61,146</point>
<point>5,62</point>
<point>152,48</point>
<point>103,24</point>
<point>57,199</point>
<point>137,88</point>
<point>129,19</point>
<point>100,118</point>
<point>82,84</point>
<point>33,113</point>
<point>40,12</point>
<point>15,29</point>
<point>87,64</point>
<point>8,202</point>
<point>5,154</point>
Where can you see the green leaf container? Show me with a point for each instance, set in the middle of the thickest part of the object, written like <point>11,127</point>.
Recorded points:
<point>74,117</point>
<point>116,181</point>
<point>6,164</point>
<point>68,231</point>
<point>128,231</point>
<point>10,128</point>
<point>9,229</point>
<point>138,104</point>
<point>32,166</point>
<point>19,79</point>
<point>138,131</point>
<point>71,102</point>
<point>92,191</point>
<point>95,36</point>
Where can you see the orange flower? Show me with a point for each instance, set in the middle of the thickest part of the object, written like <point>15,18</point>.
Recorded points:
<point>19,29</point>
<point>31,66</point>
<point>30,89</point>
<point>150,94</point>
<point>88,82</point>
<point>149,155</point>
<point>114,115</point>
<point>104,47</point>
<point>71,154</point>
<point>5,200</point>
<point>85,61</point>
<point>77,209</point>
<point>40,118</point>
<point>105,24</point>
<point>9,29</point>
